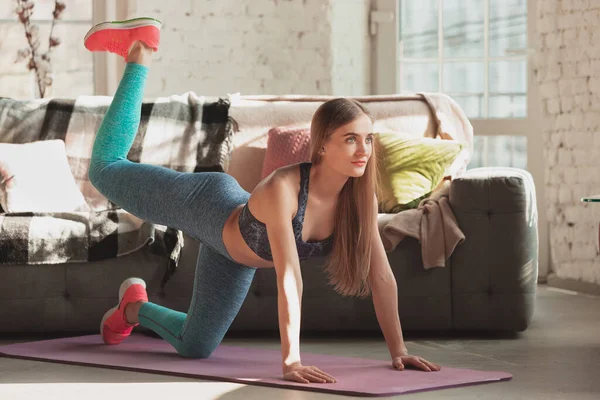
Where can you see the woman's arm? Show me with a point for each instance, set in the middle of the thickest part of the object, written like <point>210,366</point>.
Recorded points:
<point>385,294</point>
<point>385,301</point>
<point>289,286</point>
<point>281,206</point>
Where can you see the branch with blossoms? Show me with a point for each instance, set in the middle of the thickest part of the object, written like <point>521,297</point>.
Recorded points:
<point>38,61</point>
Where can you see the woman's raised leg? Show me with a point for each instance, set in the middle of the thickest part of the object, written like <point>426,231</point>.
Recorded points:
<point>196,203</point>
<point>190,202</point>
<point>153,193</point>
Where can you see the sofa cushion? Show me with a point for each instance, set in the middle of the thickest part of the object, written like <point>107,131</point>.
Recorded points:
<point>286,146</point>
<point>412,168</point>
<point>37,178</point>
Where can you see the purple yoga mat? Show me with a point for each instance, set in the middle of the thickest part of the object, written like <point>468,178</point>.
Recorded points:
<point>355,376</point>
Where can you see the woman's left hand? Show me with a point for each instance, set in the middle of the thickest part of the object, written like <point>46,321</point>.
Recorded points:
<point>414,361</point>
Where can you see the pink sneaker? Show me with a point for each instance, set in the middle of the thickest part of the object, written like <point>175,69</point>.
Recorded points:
<point>114,328</point>
<point>118,36</point>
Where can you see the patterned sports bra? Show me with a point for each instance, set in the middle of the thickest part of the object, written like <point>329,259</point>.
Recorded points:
<point>254,231</point>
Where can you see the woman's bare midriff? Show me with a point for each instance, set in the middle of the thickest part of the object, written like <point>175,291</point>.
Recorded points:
<point>236,245</point>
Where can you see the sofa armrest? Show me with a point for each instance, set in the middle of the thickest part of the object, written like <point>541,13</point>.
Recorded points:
<point>495,270</point>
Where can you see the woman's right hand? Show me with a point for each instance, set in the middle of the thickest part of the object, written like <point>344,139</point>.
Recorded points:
<point>299,373</point>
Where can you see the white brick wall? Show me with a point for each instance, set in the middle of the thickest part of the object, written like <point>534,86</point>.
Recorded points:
<point>215,47</point>
<point>568,73</point>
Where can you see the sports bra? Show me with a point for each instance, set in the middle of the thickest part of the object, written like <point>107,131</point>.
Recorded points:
<point>254,231</point>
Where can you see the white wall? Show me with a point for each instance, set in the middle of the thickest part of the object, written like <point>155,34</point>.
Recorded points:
<point>568,72</point>
<point>215,47</point>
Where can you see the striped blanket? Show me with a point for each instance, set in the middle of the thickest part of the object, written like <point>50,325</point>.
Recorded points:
<point>187,133</point>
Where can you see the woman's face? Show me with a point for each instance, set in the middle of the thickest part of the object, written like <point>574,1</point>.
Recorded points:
<point>350,147</point>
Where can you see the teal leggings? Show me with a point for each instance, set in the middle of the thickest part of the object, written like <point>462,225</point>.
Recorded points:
<point>195,203</point>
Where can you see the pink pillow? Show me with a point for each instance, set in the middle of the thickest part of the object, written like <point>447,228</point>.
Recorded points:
<point>286,146</point>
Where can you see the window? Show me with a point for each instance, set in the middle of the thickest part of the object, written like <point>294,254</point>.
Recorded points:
<point>472,50</point>
<point>72,64</point>
<point>499,151</point>
<point>479,52</point>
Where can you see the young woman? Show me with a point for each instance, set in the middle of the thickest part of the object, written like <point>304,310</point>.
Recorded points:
<point>281,223</point>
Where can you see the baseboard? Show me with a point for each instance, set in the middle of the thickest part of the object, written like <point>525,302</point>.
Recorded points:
<point>574,285</point>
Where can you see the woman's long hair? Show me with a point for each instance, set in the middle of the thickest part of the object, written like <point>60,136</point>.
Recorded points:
<point>349,262</point>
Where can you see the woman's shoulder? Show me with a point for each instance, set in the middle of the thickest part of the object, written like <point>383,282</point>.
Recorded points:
<point>288,175</point>
<point>281,186</point>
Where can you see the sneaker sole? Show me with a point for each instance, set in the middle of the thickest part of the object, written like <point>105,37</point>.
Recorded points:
<point>127,24</point>
<point>124,286</point>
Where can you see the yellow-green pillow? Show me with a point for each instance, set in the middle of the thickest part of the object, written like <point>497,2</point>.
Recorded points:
<point>411,168</point>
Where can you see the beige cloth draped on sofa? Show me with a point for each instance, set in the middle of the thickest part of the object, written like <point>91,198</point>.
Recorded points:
<point>432,223</point>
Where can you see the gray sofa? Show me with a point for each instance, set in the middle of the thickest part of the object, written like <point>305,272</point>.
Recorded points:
<point>488,284</point>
